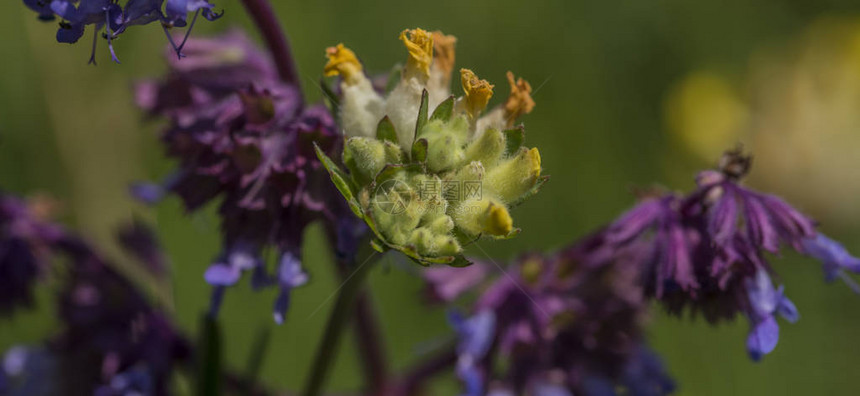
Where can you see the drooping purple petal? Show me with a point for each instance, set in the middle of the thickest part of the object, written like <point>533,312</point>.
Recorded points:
<point>723,220</point>
<point>786,308</point>
<point>634,222</point>
<point>758,224</point>
<point>833,256</point>
<point>762,296</point>
<point>763,338</point>
<point>290,271</point>
<point>220,274</point>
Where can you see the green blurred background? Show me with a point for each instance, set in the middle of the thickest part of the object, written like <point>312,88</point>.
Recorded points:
<point>610,79</point>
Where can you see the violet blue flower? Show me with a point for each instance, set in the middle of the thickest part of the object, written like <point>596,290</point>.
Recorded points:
<point>114,18</point>
<point>475,335</point>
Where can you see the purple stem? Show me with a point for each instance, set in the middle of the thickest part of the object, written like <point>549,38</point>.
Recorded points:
<point>264,17</point>
<point>369,342</point>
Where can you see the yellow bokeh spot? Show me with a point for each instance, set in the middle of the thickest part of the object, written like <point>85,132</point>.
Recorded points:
<point>519,101</point>
<point>342,61</point>
<point>705,114</point>
<point>478,92</point>
<point>419,43</point>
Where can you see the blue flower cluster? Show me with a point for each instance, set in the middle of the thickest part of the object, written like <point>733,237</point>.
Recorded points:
<point>75,15</point>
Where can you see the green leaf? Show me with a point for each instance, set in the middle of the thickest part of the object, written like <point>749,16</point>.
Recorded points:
<point>460,261</point>
<point>385,130</point>
<point>514,138</point>
<point>371,223</point>
<point>208,357</point>
<point>514,232</point>
<point>534,190</point>
<point>391,170</point>
<point>419,151</point>
<point>341,180</point>
<point>422,113</point>
<point>331,100</point>
<point>394,77</point>
<point>378,245</point>
<point>444,110</point>
<point>424,260</point>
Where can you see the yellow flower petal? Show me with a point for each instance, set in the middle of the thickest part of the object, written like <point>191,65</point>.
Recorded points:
<point>342,61</point>
<point>478,92</point>
<point>498,221</point>
<point>419,43</point>
<point>519,101</point>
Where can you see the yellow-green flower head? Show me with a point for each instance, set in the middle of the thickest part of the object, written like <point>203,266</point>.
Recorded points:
<point>427,171</point>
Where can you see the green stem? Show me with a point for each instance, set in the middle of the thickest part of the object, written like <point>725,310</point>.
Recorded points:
<point>337,322</point>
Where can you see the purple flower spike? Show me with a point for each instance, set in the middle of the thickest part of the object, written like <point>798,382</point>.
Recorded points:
<point>563,323</point>
<point>835,259</point>
<point>243,138</point>
<point>27,243</point>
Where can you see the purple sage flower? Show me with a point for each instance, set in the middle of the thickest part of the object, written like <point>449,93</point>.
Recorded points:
<point>557,322</point>
<point>244,137</point>
<point>108,325</point>
<point>704,252</point>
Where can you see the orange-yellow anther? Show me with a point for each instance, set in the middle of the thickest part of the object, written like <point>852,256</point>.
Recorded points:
<point>342,61</point>
<point>443,51</point>
<point>520,100</point>
<point>419,43</point>
<point>478,92</point>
